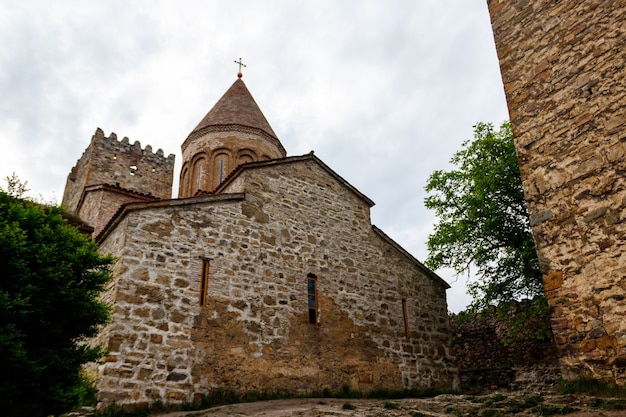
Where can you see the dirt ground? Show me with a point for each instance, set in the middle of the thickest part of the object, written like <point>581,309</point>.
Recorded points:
<point>493,405</point>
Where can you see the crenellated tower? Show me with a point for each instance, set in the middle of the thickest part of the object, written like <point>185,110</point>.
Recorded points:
<point>233,132</point>
<point>111,173</point>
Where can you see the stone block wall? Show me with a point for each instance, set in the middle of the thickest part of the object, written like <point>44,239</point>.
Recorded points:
<point>100,202</point>
<point>487,359</point>
<point>563,68</point>
<point>120,164</point>
<point>262,237</point>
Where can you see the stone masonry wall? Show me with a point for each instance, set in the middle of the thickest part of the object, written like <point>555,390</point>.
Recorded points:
<point>487,359</point>
<point>119,163</point>
<point>100,202</point>
<point>563,68</point>
<point>290,220</point>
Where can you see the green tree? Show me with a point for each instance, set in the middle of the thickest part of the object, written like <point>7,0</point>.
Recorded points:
<point>15,187</point>
<point>51,277</point>
<point>483,227</point>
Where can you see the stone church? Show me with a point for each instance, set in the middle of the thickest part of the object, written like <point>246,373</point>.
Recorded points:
<point>264,274</point>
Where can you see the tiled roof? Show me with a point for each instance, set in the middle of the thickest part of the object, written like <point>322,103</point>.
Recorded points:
<point>236,107</point>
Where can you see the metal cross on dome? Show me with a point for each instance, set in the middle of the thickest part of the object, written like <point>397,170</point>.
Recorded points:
<point>241,64</point>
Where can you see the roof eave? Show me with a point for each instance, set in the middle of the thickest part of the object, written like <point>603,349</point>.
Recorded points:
<point>403,251</point>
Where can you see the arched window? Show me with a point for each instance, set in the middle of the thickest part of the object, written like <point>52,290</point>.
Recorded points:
<point>196,181</point>
<point>221,166</point>
<point>184,183</point>
<point>246,155</point>
<point>199,178</point>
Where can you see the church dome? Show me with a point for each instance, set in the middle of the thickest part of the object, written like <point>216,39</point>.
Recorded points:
<point>233,132</point>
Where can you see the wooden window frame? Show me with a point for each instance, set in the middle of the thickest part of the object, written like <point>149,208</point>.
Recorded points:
<point>312,310</point>
<point>204,281</point>
<point>405,317</point>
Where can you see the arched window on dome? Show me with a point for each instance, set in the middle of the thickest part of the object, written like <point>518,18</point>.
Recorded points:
<point>184,183</point>
<point>221,166</point>
<point>196,180</point>
<point>246,155</point>
<point>199,179</point>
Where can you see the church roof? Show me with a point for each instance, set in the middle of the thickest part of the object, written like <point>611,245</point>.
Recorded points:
<point>236,108</point>
<point>292,159</point>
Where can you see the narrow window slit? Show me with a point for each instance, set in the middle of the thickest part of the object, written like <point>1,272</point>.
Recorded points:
<point>406,318</point>
<point>312,298</point>
<point>204,281</point>
<point>199,179</point>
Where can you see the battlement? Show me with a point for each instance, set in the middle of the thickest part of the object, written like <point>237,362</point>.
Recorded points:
<point>110,161</point>
<point>123,147</point>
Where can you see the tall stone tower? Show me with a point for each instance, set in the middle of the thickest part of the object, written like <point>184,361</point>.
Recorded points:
<point>233,132</point>
<point>111,173</point>
<point>563,65</point>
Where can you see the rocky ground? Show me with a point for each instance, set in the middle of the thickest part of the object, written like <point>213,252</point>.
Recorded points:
<point>493,405</point>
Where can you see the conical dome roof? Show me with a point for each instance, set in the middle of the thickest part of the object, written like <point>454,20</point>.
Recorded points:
<point>236,107</point>
<point>233,132</point>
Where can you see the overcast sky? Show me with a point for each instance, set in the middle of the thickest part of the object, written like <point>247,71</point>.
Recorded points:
<point>384,92</point>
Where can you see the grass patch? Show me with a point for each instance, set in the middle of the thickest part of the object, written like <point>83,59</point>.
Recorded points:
<point>490,412</point>
<point>85,392</point>
<point>502,402</point>
<point>348,406</point>
<point>528,402</point>
<point>608,405</point>
<point>552,410</point>
<point>117,410</point>
<point>589,386</point>
<point>391,405</point>
<point>219,396</point>
<point>495,401</point>
<point>214,398</point>
<point>387,394</point>
<point>498,398</point>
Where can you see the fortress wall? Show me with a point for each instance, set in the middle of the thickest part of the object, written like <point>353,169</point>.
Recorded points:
<point>563,69</point>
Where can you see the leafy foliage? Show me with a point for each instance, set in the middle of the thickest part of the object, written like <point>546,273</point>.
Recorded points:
<point>50,279</point>
<point>529,323</point>
<point>15,187</point>
<point>482,220</point>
